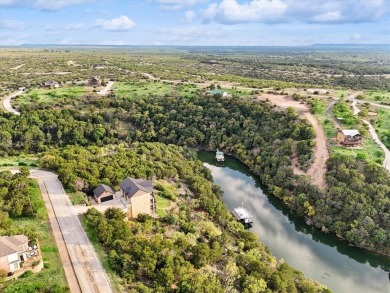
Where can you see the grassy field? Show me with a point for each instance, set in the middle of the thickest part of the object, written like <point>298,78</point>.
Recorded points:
<point>54,273</point>
<point>161,205</point>
<point>49,95</point>
<point>19,161</point>
<point>377,96</point>
<point>154,88</point>
<point>103,257</point>
<point>382,126</point>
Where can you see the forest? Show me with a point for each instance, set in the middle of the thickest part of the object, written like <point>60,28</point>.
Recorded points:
<point>250,130</point>
<point>197,247</point>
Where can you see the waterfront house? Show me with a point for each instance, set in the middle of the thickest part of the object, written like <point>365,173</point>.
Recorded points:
<point>139,193</point>
<point>350,137</point>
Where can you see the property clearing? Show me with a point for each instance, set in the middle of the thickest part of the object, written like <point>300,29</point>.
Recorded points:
<point>318,168</point>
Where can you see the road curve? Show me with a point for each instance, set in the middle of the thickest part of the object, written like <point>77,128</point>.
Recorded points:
<point>106,89</point>
<point>371,129</point>
<point>90,274</point>
<point>7,102</point>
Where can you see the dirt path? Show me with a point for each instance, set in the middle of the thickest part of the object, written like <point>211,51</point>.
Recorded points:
<point>317,169</point>
<point>7,102</point>
<point>90,274</point>
<point>17,67</point>
<point>106,89</point>
<point>374,135</point>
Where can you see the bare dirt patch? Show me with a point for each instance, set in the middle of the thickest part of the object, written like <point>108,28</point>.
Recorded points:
<point>318,168</point>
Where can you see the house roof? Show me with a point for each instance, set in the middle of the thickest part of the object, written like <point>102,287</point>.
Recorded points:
<point>214,92</point>
<point>132,186</point>
<point>102,188</point>
<point>12,244</point>
<point>241,213</point>
<point>350,132</point>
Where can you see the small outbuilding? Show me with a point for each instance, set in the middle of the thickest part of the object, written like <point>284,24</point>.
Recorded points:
<point>218,92</point>
<point>94,81</point>
<point>50,84</point>
<point>350,137</point>
<point>103,193</point>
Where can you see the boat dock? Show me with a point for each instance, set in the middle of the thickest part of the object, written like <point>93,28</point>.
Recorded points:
<point>243,216</point>
<point>219,156</point>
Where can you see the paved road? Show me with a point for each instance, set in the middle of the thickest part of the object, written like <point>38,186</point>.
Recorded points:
<point>7,102</point>
<point>106,89</point>
<point>90,274</point>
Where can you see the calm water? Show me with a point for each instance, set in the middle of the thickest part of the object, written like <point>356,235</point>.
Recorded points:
<point>321,257</point>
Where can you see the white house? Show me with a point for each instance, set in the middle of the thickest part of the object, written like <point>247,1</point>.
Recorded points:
<point>12,252</point>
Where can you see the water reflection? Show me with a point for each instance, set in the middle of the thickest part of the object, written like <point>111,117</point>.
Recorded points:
<point>322,257</point>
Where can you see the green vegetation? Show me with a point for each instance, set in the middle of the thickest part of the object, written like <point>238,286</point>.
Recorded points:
<point>377,96</point>
<point>19,161</point>
<point>22,211</point>
<point>194,242</point>
<point>155,88</point>
<point>343,113</point>
<point>382,126</point>
<point>78,197</point>
<point>50,95</point>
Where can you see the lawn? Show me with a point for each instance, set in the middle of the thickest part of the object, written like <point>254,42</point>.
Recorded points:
<point>19,161</point>
<point>103,257</point>
<point>155,88</point>
<point>53,273</point>
<point>49,95</point>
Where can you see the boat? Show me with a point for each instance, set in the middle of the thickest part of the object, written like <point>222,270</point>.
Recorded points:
<point>243,216</point>
<point>219,156</point>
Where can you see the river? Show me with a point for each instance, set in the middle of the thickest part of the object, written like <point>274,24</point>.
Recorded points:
<point>322,257</point>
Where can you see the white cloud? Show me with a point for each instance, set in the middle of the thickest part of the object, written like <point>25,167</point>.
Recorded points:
<point>120,24</point>
<point>47,5</point>
<point>176,4</point>
<point>189,16</point>
<point>231,12</point>
<point>12,24</point>
<point>74,26</point>
<point>277,11</point>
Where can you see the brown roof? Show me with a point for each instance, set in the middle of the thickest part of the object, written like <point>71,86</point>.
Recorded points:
<point>102,188</point>
<point>132,186</point>
<point>12,244</point>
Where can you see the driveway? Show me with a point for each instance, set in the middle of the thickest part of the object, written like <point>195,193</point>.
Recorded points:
<point>106,89</point>
<point>90,275</point>
<point>7,102</point>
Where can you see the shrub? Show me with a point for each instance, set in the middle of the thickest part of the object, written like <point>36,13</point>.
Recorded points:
<point>26,274</point>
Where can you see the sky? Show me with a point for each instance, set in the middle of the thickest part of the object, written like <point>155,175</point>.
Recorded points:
<point>195,22</point>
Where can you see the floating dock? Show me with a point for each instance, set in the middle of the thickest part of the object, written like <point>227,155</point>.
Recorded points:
<point>243,216</point>
<point>219,156</point>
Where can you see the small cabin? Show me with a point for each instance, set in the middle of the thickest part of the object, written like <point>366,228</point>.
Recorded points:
<point>218,92</point>
<point>243,216</point>
<point>50,84</point>
<point>94,81</point>
<point>219,156</point>
<point>349,138</point>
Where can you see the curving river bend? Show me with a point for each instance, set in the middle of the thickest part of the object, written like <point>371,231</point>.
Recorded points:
<point>322,257</point>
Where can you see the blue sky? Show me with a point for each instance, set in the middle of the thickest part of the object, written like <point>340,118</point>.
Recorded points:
<point>194,22</point>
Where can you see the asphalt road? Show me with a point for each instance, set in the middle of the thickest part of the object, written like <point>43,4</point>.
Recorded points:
<point>7,102</point>
<point>91,276</point>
